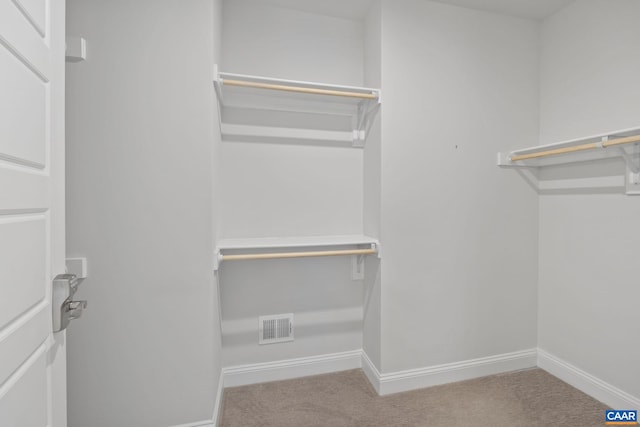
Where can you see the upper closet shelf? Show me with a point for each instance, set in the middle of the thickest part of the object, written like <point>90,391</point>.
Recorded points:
<point>295,247</point>
<point>256,108</point>
<point>623,144</point>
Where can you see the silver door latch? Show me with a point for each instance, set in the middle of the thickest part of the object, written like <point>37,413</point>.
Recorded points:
<point>64,309</point>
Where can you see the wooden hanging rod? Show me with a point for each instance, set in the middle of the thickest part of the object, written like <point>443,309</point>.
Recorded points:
<point>244,257</point>
<point>299,89</point>
<point>575,148</point>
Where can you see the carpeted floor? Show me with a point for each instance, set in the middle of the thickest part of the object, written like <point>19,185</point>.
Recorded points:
<point>531,398</point>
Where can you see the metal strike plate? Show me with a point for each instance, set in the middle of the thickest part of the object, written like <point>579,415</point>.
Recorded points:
<point>63,308</point>
<point>74,309</point>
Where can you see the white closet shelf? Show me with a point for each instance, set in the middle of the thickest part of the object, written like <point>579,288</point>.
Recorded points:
<point>247,133</point>
<point>612,144</point>
<point>623,144</point>
<point>293,247</point>
<point>330,104</point>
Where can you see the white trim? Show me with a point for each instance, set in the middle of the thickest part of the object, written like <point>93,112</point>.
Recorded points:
<point>206,423</point>
<point>383,383</point>
<point>587,383</point>
<point>451,372</point>
<point>213,422</point>
<point>292,368</point>
<point>418,378</point>
<point>218,404</point>
<point>371,372</point>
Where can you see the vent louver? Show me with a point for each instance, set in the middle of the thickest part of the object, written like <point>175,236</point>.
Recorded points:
<point>276,328</point>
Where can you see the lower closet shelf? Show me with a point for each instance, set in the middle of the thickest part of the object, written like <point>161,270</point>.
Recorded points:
<point>294,247</point>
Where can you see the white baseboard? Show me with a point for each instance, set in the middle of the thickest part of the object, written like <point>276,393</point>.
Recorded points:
<point>218,405</point>
<point>206,423</point>
<point>587,383</point>
<point>292,368</point>
<point>383,383</point>
<point>413,379</point>
<point>371,372</point>
<point>213,422</point>
<point>400,381</point>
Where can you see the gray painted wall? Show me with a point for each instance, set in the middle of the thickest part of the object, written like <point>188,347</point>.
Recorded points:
<point>140,133</point>
<point>588,243</point>
<point>372,171</point>
<point>459,267</point>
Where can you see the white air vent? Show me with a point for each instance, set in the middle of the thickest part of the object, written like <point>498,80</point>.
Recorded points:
<point>277,328</point>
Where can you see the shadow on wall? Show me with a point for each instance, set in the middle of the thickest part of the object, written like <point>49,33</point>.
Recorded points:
<point>321,330</point>
<point>326,303</point>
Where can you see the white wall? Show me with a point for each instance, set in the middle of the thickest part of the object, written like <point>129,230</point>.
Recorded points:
<point>215,203</point>
<point>140,130</point>
<point>276,190</point>
<point>588,243</point>
<point>589,81</point>
<point>290,190</point>
<point>372,172</point>
<point>263,39</point>
<point>459,234</point>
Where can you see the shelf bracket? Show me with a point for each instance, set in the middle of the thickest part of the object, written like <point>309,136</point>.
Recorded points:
<point>217,259</point>
<point>632,172</point>
<point>217,81</point>
<point>366,111</point>
<point>357,267</point>
<point>632,164</point>
<point>632,161</point>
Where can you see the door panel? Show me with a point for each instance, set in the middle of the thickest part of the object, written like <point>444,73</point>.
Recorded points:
<point>32,358</point>
<point>35,11</point>
<point>23,400</point>
<point>25,116</point>
<point>23,264</point>
<point>19,343</point>
<point>19,36</point>
<point>20,199</point>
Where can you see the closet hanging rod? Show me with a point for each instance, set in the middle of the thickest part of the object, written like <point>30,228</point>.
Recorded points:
<point>280,255</point>
<point>298,89</point>
<point>576,148</point>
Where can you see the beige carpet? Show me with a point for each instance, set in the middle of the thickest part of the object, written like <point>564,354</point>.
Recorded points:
<point>530,398</point>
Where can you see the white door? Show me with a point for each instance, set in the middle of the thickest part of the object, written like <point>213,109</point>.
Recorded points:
<point>32,358</point>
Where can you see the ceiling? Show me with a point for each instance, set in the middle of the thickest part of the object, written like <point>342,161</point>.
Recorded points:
<point>532,9</point>
<point>357,9</point>
<point>350,9</point>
